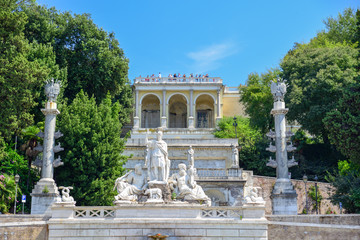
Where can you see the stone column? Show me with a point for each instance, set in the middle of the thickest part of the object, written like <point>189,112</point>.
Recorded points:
<point>50,113</point>
<point>191,111</point>
<point>163,117</point>
<point>284,197</point>
<point>218,107</point>
<point>45,192</point>
<point>136,117</point>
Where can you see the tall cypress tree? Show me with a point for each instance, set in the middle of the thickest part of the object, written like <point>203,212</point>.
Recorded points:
<point>92,157</point>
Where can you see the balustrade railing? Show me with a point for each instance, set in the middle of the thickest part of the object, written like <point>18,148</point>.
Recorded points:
<point>205,212</point>
<point>178,80</point>
<point>95,212</point>
<point>221,212</point>
<point>214,173</point>
<point>211,173</point>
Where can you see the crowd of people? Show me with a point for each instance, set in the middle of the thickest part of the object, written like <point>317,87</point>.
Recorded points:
<point>177,77</point>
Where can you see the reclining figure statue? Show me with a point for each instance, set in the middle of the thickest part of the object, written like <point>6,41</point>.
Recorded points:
<point>131,185</point>
<point>185,186</point>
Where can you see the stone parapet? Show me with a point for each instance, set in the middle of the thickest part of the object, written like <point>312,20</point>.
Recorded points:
<point>178,220</point>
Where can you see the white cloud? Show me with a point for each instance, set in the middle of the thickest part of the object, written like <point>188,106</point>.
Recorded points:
<point>209,58</point>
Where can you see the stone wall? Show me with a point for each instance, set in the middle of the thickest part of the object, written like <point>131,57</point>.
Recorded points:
<point>23,227</point>
<point>314,227</point>
<point>267,184</point>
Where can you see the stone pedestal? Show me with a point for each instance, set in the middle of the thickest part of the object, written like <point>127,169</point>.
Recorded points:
<point>284,198</point>
<point>166,193</point>
<point>191,123</point>
<point>164,122</point>
<point>136,122</point>
<point>284,204</point>
<point>44,194</point>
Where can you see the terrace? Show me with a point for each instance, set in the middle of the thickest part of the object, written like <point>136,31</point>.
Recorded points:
<point>155,80</point>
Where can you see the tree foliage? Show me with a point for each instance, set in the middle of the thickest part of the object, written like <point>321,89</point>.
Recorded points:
<point>24,67</point>
<point>318,72</point>
<point>13,163</point>
<point>252,155</point>
<point>257,99</point>
<point>316,78</point>
<point>343,124</point>
<point>343,28</point>
<point>347,186</point>
<point>92,157</point>
<point>94,61</point>
<point>7,192</point>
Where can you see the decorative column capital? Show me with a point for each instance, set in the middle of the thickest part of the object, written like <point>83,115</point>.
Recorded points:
<point>279,111</point>
<point>50,111</point>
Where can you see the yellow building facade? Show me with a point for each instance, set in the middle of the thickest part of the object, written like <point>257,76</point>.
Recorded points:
<point>187,103</point>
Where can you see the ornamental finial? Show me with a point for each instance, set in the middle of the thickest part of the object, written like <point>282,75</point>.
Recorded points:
<point>278,89</point>
<point>52,89</point>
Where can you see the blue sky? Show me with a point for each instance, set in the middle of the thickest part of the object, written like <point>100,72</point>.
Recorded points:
<point>227,39</point>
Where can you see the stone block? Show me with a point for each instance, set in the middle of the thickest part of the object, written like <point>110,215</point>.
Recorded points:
<point>126,232</point>
<point>164,231</point>
<point>253,233</point>
<point>284,204</point>
<point>62,232</point>
<point>109,238</point>
<point>62,212</point>
<point>190,232</point>
<point>222,232</point>
<point>93,232</point>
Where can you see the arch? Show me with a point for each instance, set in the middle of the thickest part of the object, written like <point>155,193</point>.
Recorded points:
<point>150,111</point>
<point>177,111</point>
<point>204,111</point>
<point>168,100</point>
<point>146,94</point>
<point>201,94</point>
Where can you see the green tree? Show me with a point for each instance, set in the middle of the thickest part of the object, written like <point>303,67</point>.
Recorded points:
<point>257,99</point>
<point>313,157</point>
<point>253,154</point>
<point>24,67</point>
<point>29,135</point>
<point>342,28</point>
<point>92,156</point>
<point>316,78</point>
<point>13,163</point>
<point>343,124</point>
<point>347,184</point>
<point>7,192</point>
<point>94,61</point>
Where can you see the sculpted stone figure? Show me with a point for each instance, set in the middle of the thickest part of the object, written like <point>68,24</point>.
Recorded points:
<point>185,186</point>
<point>65,192</point>
<point>131,185</point>
<point>191,156</point>
<point>253,196</point>
<point>157,160</point>
<point>235,156</point>
<point>278,90</point>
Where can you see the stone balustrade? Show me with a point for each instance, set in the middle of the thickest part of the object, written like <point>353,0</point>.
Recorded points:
<point>214,173</point>
<point>222,212</point>
<point>143,210</point>
<point>152,80</point>
<point>94,212</point>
